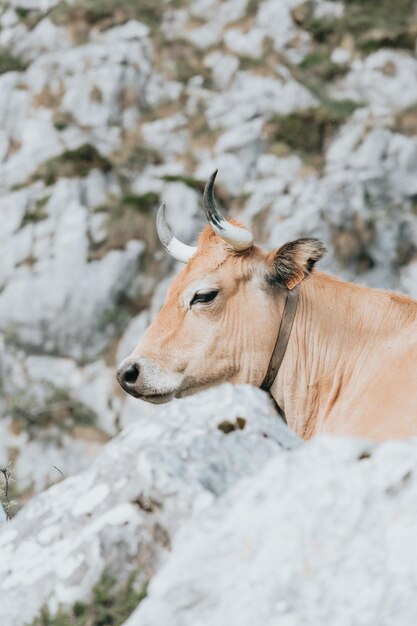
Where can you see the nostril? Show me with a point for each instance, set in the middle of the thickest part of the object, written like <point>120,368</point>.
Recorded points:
<point>130,376</point>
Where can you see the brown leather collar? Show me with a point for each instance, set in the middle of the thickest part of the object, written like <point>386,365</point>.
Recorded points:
<point>287,321</point>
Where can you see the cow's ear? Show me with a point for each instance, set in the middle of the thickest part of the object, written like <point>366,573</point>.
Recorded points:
<point>288,265</point>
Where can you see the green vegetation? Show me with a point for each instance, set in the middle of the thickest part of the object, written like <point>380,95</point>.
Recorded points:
<point>191,182</point>
<point>58,408</point>
<point>145,203</point>
<point>352,243</point>
<point>319,64</point>
<point>129,217</point>
<point>72,163</point>
<point>62,120</point>
<point>36,213</point>
<point>252,7</point>
<point>181,61</point>
<point>372,23</point>
<point>10,63</point>
<point>308,132</point>
<point>30,17</point>
<point>105,13</point>
<point>22,13</point>
<point>12,496</point>
<point>111,604</point>
<point>139,156</point>
<point>115,318</point>
<point>6,480</point>
<point>60,125</point>
<point>365,26</point>
<point>249,63</point>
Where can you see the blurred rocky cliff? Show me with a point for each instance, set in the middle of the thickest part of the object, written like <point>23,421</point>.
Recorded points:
<point>107,107</point>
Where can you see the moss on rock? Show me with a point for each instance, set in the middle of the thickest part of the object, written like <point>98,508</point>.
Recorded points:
<point>72,163</point>
<point>10,62</point>
<point>56,407</point>
<point>35,213</point>
<point>106,13</point>
<point>308,132</point>
<point>129,217</point>
<point>372,23</point>
<point>111,604</point>
<point>319,64</point>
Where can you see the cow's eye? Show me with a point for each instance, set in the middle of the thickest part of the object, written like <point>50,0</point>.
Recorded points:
<point>204,296</point>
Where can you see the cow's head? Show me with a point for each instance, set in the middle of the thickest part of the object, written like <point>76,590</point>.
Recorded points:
<point>220,319</point>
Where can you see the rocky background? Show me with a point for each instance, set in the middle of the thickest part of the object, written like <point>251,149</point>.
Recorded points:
<point>108,107</point>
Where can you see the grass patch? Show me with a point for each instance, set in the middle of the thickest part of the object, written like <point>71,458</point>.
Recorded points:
<point>319,65</point>
<point>115,317</point>
<point>372,23</point>
<point>308,132</point>
<point>111,604</point>
<point>352,243</point>
<point>130,217</point>
<point>249,63</point>
<point>399,40</point>
<point>140,156</point>
<point>253,7</point>
<point>22,13</point>
<point>29,17</point>
<point>180,61</point>
<point>106,13</point>
<point>6,480</point>
<point>12,496</point>
<point>145,203</point>
<point>10,62</point>
<point>191,182</point>
<point>62,120</point>
<point>57,408</point>
<point>72,163</point>
<point>36,213</point>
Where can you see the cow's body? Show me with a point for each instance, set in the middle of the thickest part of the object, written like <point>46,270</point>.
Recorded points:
<point>351,363</point>
<point>350,366</point>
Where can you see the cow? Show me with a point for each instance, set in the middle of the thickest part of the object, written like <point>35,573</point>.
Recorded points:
<point>347,362</point>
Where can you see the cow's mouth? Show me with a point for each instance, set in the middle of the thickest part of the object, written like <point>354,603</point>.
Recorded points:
<point>156,398</point>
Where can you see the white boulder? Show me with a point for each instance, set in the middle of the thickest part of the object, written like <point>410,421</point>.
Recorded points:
<point>124,511</point>
<point>325,533</point>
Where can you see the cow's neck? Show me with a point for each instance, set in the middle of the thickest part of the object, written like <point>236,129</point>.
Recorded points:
<point>335,328</point>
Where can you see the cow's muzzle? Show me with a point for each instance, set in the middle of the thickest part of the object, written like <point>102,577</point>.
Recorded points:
<point>127,377</point>
<point>143,378</point>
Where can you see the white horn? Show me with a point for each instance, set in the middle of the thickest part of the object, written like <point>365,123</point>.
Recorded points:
<point>174,247</point>
<point>239,238</point>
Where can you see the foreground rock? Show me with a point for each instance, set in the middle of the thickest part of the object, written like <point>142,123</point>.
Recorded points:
<point>231,520</point>
<point>123,513</point>
<point>323,534</point>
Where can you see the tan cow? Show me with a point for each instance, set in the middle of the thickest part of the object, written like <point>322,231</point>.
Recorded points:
<point>350,365</point>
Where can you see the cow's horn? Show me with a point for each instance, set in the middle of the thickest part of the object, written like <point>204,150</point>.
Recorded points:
<point>174,247</point>
<point>239,238</point>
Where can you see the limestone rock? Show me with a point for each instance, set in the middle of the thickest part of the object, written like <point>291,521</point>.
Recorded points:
<point>386,78</point>
<point>325,533</point>
<point>53,278</point>
<point>124,511</point>
<point>237,104</point>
